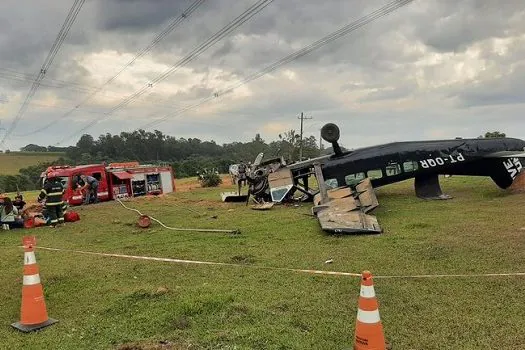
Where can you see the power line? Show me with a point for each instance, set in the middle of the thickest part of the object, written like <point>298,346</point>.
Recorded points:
<point>171,26</point>
<point>20,76</point>
<point>9,74</point>
<point>55,106</point>
<point>58,84</point>
<point>377,14</point>
<point>242,18</point>
<point>70,19</point>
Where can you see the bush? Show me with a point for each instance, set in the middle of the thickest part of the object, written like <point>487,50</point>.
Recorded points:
<point>13,183</point>
<point>210,178</point>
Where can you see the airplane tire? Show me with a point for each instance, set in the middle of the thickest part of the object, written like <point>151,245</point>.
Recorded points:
<point>330,132</point>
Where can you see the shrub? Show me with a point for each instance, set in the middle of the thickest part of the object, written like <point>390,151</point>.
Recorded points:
<point>210,178</point>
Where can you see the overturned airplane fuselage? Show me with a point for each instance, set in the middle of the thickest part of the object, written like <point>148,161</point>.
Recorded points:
<point>499,158</point>
<point>345,197</point>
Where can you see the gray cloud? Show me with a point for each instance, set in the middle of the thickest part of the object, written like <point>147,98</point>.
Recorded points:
<point>509,89</point>
<point>462,23</point>
<point>392,78</point>
<point>137,15</point>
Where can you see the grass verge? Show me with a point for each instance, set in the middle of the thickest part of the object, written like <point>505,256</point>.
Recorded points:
<point>105,303</point>
<point>12,162</point>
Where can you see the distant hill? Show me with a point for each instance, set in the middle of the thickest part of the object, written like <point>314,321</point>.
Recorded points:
<point>11,162</point>
<point>36,148</point>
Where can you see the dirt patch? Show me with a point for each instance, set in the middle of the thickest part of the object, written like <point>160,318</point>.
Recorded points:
<point>185,185</point>
<point>160,345</point>
<point>518,186</point>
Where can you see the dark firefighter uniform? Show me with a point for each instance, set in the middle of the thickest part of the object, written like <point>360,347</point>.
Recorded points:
<point>52,192</point>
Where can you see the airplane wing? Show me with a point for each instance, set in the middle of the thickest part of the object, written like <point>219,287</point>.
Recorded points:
<point>347,209</point>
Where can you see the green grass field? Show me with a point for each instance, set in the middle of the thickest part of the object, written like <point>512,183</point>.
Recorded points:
<point>115,303</point>
<point>11,163</point>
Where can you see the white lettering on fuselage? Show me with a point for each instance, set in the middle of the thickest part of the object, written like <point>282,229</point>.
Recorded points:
<point>433,162</point>
<point>513,166</point>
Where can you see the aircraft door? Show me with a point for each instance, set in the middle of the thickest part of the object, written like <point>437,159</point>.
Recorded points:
<point>103,188</point>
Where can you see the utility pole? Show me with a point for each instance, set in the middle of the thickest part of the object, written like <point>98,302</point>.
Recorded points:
<point>302,118</point>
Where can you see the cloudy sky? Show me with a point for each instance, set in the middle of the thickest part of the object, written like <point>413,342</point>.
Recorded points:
<point>431,69</point>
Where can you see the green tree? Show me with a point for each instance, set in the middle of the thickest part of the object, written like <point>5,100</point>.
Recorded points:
<point>494,134</point>
<point>86,143</point>
<point>12,183</point>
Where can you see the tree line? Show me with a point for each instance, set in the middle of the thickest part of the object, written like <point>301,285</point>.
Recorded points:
<point>186,156</point>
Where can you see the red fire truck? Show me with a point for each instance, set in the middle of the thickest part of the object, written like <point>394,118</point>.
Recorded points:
<point>116,180</point>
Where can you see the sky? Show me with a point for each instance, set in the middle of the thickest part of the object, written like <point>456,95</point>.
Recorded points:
<point>429,70</point>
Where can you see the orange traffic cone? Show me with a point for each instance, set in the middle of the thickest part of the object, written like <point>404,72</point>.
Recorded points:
<point>368,328</point>
<point>33,311</point>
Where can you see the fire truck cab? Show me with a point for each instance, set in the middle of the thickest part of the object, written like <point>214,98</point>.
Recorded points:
<point>116,180</point>
<point>70,178</point>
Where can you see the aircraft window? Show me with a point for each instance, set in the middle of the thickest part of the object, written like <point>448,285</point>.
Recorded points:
<point>410,166</point>
<point>374,174</point>
<point>331,183</point>
<point>279,193</point>
<point>353,179</point>
<point>393,169</point>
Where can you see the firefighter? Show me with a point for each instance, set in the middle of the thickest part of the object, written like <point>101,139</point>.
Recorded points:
<point>53,192</point>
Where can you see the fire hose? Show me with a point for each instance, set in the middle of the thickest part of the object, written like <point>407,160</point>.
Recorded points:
<point>179,228</point>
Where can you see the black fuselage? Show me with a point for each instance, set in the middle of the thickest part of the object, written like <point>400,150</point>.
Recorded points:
<point>398,161</point>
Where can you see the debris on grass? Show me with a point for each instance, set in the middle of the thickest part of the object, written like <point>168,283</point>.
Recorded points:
<point>263,206</point>
<point>243,259</point>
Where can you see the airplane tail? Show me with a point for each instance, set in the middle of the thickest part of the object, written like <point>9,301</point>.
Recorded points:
<point>505,169</point>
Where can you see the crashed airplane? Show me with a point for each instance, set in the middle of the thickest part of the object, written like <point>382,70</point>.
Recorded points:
<point>346,180</point>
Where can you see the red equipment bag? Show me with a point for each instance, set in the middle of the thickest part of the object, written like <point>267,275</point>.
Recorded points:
<point>29,223</point>
<point>71,216</point>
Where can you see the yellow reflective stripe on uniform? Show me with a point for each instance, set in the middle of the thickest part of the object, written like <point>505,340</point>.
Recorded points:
<point>43,191</point>
<point>54,204</point>
<point>55,193</point>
